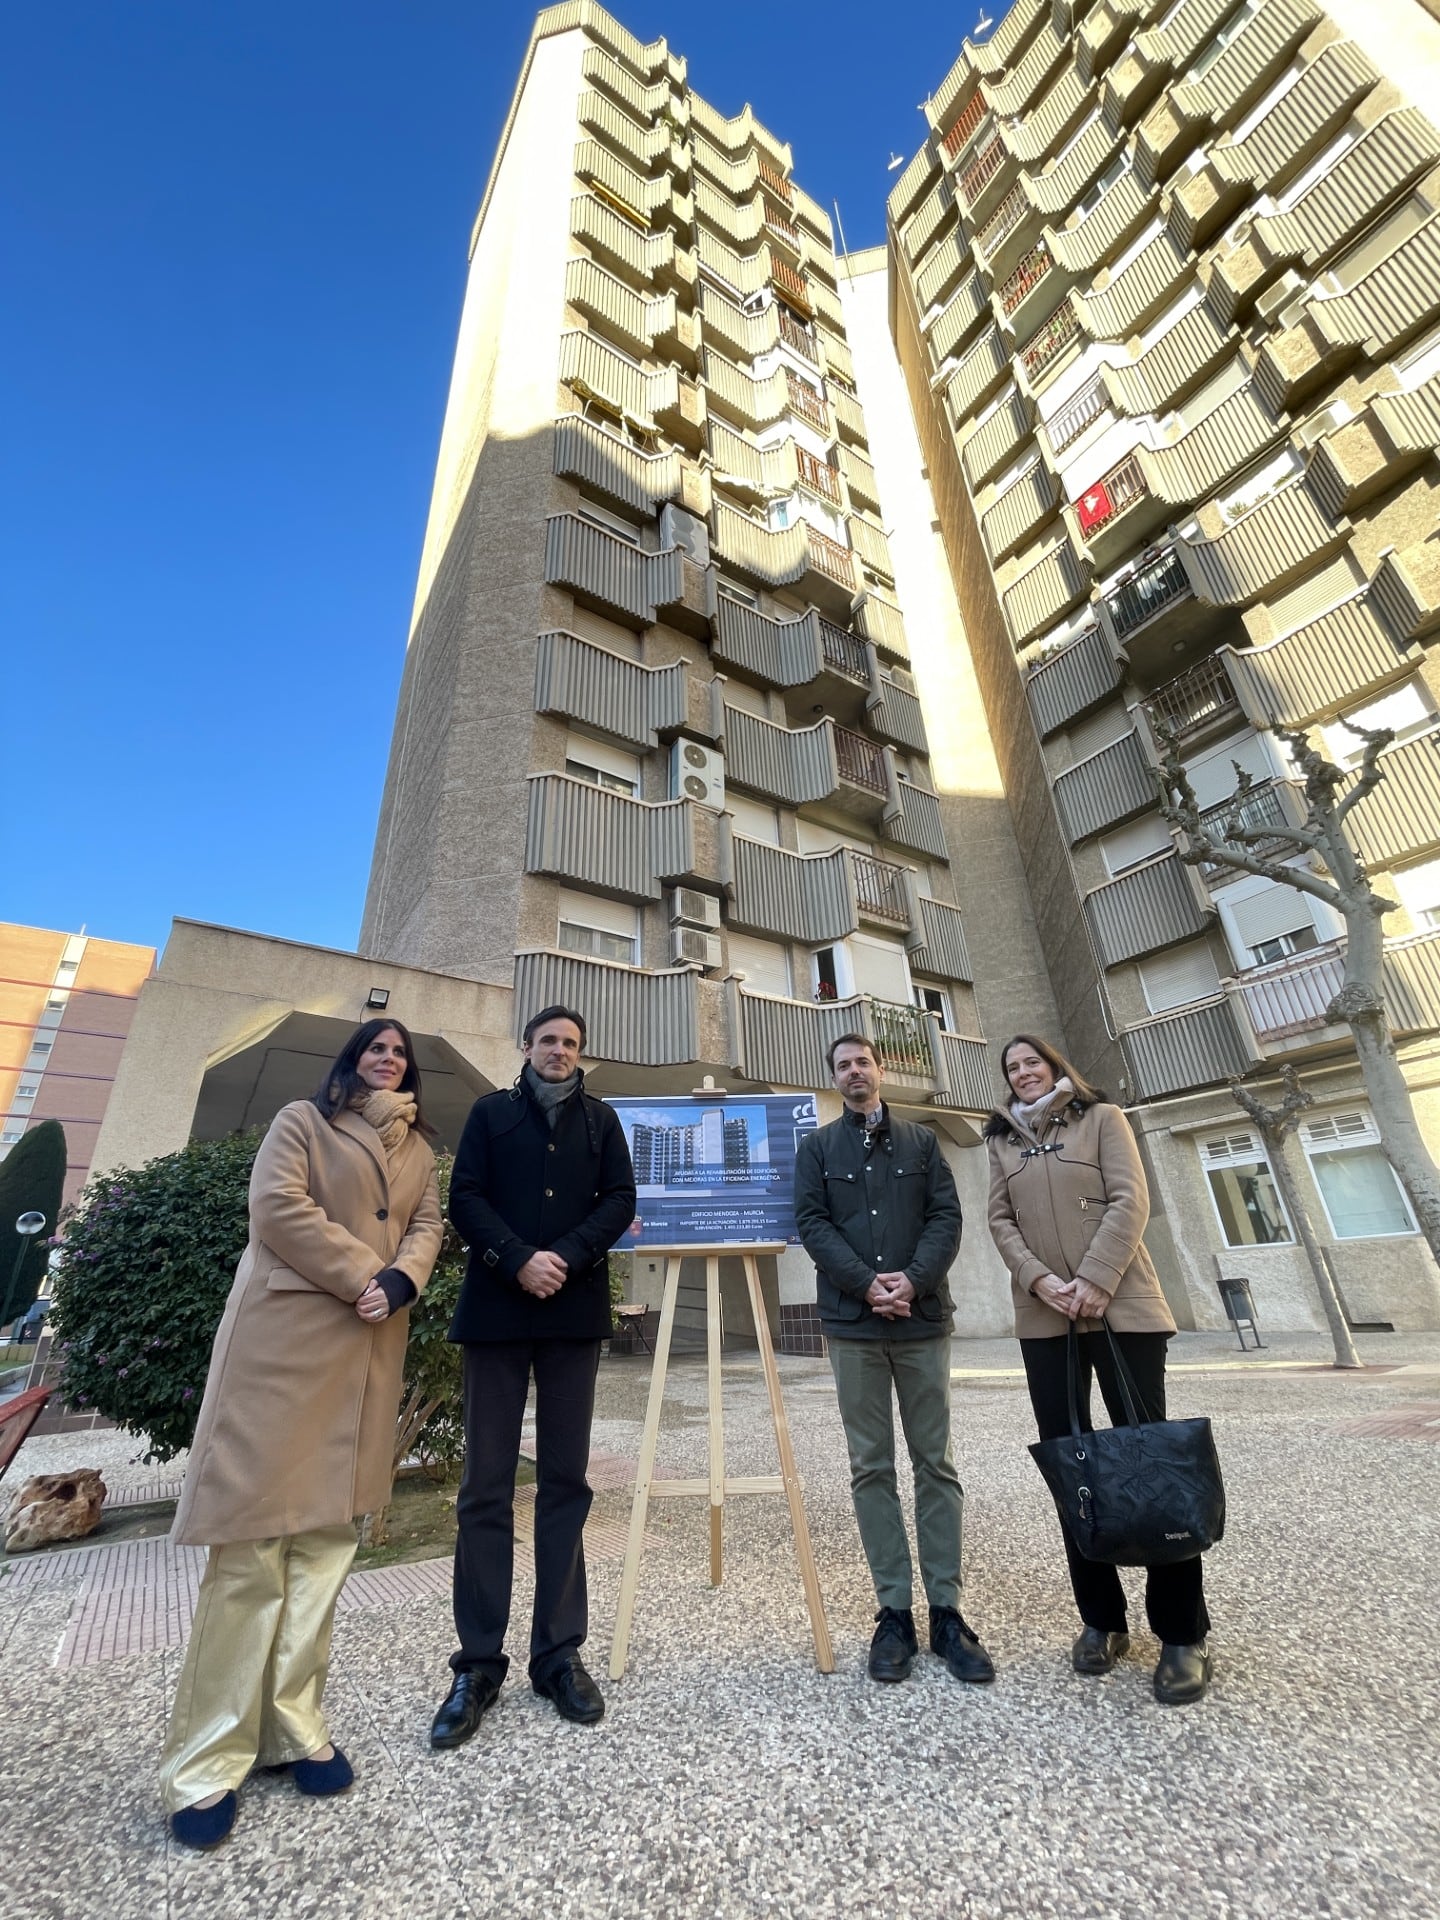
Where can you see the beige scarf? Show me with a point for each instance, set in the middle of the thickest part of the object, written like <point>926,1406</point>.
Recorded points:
<point>391,1115</point>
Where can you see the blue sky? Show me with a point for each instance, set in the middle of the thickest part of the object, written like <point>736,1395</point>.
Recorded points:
<point>234,235</point>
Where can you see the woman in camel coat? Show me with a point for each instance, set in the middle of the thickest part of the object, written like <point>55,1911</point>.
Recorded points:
<point>1068,1206</point>
<point>297,1429</point>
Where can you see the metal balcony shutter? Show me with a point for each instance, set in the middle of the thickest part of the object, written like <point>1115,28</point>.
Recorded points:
<point>1315,596</point>
<point>1129,845</point>
<point>1174,979</point>
<point>1102,729</point>
<point>1278,909</point>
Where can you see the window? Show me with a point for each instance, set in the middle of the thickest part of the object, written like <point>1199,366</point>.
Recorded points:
<point>609,523</point>
<point>1222,39</point>
<point>1128,846</point>
<point>1242,1187</point>
<point>598,943</point>
<point>41,1046</point>
<point>1406,711</point>
<point>56,1003</point>
<point>1282,945</point>
<point>1419,890</point>
<point>935,1000</point>
<point>599,929</point>
<point>1092,197</point>
<point>731,591</point>
<point>831,977</point>
<point>27,1092</point>
<point>764,963</point>
<point>602,766</point>
<point>68,966</point>
<point>782,513</point>
<point>1357,1184</point>
<point>9,1137</point>
<point>599,777</point>
<point>1179,977</point>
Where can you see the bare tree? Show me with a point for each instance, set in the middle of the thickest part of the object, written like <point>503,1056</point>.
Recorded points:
<point>1276,1124</point>
<point>1229,839</point>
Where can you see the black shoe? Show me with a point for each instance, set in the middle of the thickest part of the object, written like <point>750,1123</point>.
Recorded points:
<point>323,1777</point>
<point>1183,1674</point>
<point>1097,1652</point>
<point>471,1696</point>
<point>958,1647</point>
<point>894,1646</point>
<point>205,1827</point>
<point>575,1695</point>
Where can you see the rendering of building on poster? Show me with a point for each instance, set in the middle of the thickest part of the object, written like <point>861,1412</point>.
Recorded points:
<point>711,1170</point>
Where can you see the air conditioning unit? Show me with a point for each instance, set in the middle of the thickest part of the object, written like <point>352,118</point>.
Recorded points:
<point>697,773</point>
<point>691,908</point>
<point>690,947</point>
<point>686,531</point>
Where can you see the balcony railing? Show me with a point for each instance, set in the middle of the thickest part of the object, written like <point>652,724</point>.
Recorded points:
<point>798,337</point>
<point>1072,420</point>
<point>1003,221</point>
<point>880,889</point>
<point>806,402</point>
<point>647,1019</point>
<point>1026,277</point>
<point>830,558</point>
<point>1291,996</point>
<point>1120,488</point>
<point>1051,340</point>
<point>902,1038</point>
<point>860,761</point>
<point>1262,806</point>
<point>782,228</point>
<point>817,476</point>
<point>790,283</point>
<point>1192,700</point>
<point>771,177</point>
<point>844,652</point>
<point>1147,593</point>
<point>963,128</point>
<point>982,168</point>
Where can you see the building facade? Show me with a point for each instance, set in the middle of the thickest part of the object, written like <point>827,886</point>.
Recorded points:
<point>1165,282</point>
<point>66,1006</point>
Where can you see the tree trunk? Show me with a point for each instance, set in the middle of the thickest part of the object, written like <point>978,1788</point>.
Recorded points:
<point>1345,1354</point>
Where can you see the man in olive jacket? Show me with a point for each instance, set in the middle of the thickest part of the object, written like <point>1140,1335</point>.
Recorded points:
<point>542,1188</point>
<point>878,1213</point>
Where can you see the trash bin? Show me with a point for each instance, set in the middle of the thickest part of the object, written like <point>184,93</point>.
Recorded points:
<point>1240,1309</point>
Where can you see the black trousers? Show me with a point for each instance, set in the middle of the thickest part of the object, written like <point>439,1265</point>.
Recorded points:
<point>497,1380</point>
<point>1174,1596</point>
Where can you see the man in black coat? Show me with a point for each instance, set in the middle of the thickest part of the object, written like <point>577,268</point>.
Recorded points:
<point>542,1188</point>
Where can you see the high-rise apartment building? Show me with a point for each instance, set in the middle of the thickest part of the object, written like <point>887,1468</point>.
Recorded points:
<point>1166,283</point>
<point>659,754</point>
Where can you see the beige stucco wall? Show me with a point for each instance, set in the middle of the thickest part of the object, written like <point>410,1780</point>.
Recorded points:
<point>1402,37</point>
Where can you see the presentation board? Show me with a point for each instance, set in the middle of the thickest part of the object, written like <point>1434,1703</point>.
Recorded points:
<point>714,1171</point>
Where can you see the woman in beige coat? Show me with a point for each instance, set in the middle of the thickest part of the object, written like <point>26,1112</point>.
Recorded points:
<point>1068,1206</point>
<point>297,1429</point>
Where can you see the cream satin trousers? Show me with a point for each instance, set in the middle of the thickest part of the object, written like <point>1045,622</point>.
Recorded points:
<point>255,1668</point>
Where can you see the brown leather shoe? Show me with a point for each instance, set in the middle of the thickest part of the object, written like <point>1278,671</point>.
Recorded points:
<point>1097,1652</point>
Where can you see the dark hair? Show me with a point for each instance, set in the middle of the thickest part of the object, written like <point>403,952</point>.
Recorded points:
<point>849,1040</point>
<point>1085,1095</point>
<point>537,1020</point>
<point>343,1081</point>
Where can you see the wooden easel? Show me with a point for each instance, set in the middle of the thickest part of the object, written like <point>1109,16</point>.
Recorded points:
<point>717,1485</point>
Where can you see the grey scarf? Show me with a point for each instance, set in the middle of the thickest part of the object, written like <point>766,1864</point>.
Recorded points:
<point>550,1095</point>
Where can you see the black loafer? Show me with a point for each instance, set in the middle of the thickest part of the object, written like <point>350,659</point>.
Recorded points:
<point>573,1693</point>
<point>893,1645</point>
<point>205,1827</point>
<point>470,1698</point>
<point>1183,1674</point>
<point>958,1647</point>
<point>1097,1652</point>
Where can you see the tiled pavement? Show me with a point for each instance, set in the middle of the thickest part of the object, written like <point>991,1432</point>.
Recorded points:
<point>730,1778</point>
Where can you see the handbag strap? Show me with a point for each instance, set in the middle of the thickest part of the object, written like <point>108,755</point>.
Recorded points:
<point>1136,1411</point>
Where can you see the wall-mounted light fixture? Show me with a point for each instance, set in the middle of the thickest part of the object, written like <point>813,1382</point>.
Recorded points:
<point>377,1000</point>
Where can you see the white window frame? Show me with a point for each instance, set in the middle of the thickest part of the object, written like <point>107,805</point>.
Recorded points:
<point>1252,1153</point>
<point>931,999</point>
<point>1353,1139</point>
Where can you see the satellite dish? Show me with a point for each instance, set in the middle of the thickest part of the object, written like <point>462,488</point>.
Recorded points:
<point>895,160</point>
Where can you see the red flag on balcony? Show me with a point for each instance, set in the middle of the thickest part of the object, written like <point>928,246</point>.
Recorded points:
<point>1093,507</point>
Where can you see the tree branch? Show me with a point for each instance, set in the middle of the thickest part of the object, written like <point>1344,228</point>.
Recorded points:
<point>1275,1122</point>
<point>1371,773</point>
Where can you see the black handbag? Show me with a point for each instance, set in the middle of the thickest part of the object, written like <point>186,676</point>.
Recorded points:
<point>1141,1495</point>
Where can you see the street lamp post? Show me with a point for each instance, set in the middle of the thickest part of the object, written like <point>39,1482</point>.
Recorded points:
<point>26,1227</point>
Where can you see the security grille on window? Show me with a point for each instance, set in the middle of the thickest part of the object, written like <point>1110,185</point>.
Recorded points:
<point>1247,1201</point>
<point>1362,1197</point>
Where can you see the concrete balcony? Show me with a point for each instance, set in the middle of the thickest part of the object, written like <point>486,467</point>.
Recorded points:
<point>1043,589</point>
<point>787,653</point>
<point>1144,911</point>
<point>782,1043</point>
<point>742,336</point>
<point>894,712</point>
<point>605,463</point>
<point>849,415</point>
<point>1119,511</point>
<point>1009,97</point>
<point>1301,122</point>
<point>1382,164</point>
<point>634,321</point>
<point>1017,515</point>
<point>742,225</point>
<point>964,1062</point>
<point>994,442</point>
<point>1182,359</point>
<point>858,474</point>
<point>1151,590</point>
<point>1131,299</point>
<point>736,395</point>
<point>916,825</point>
<point>925,225</point>
<point>1266,549</point>
<point>1401,818</point>
<point>802,766</point>
<point>627,849</point>
<point>957,108</point>
<point>835,356</point>
<point>577,680</point>
<point>740,131</point>
<point>1083,248</point>
<point>872,549</point>
<point>1332,661</point>
<point>746,272</point>
<point>652,200</point>
<point>632,1015</point>
<point>1031,292</point>
<point>1105,31</point>
<point>1406,590</point>
<point>1274,803</point>
<point>910,189</point>
<point>941,953</point>
<point>1198,1047</point>
<point>986,176</point>
<point>641,147</point>
<point>1288,1003</point>
<point>968,309</point>
<point>605,571</point>
<point>1009,233</point>
<point>884,893</point>
<point>642,100</point>
<point>1109,787</point>
<point>1074,420</point>
<point>795,556</point>
<point>793,896</point>
<point>642,257</point>
<point>739,176</point>
<point>942,269</point>
<point>825,302</point>
<point>1052,346</point>
<point>810,215</point>
<point>1049,124</point>
<point>982,372</point>
<point>1064,685</point>
<point>879,621</point>
<point>1060,184</point>
<point>1251,62</point>
<point>1000,51</point>
<point>659,398</point>
<point>1369,455</point>
<point>1133,82</point>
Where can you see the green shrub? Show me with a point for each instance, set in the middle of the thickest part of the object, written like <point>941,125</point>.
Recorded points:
<point>148,1260</point>
<point>432,1416</point>
<point>32,1180</point>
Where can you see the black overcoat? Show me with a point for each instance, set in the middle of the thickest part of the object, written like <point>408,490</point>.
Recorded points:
<point>516,1187</point>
